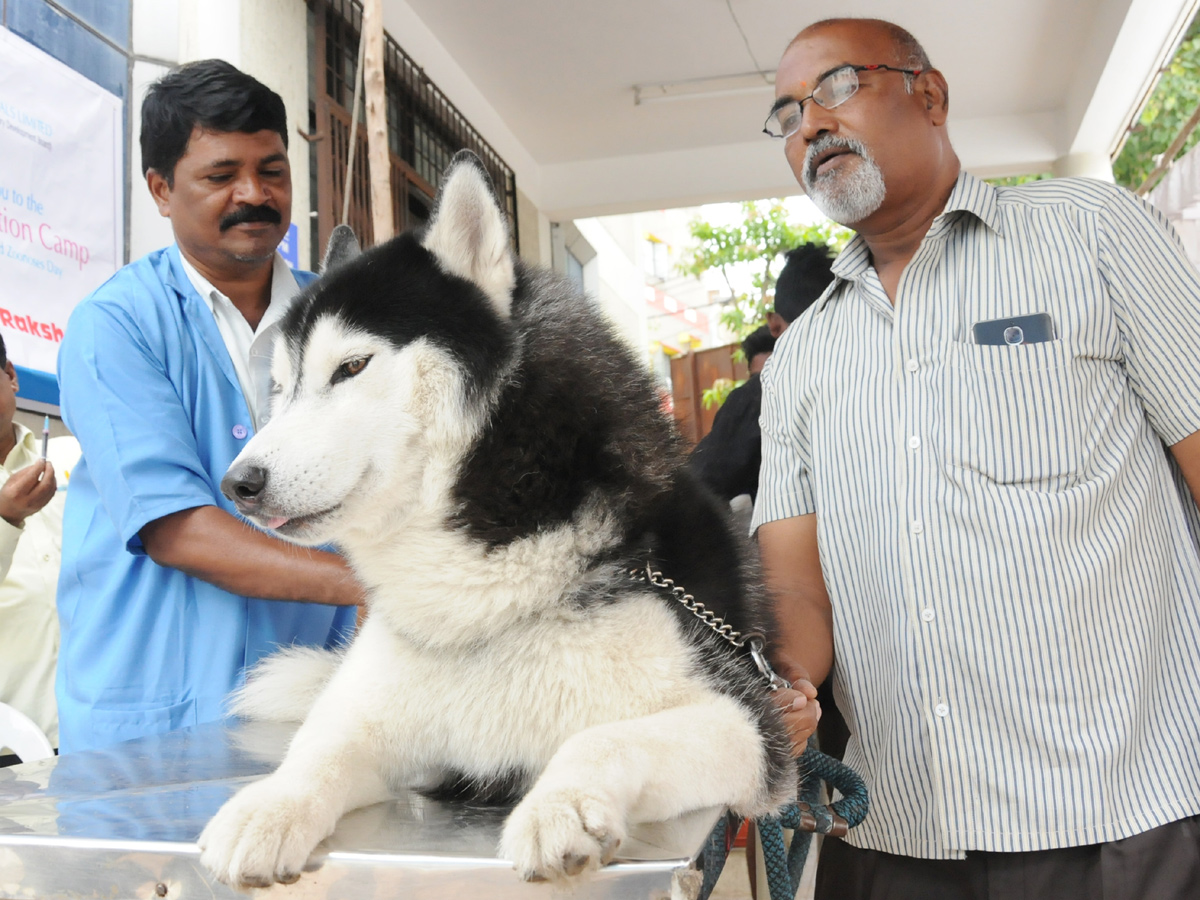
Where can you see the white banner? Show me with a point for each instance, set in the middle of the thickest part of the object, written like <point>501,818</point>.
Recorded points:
<point>61,199</point>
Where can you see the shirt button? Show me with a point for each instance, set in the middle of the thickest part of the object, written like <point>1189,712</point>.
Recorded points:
<point>917,527</point>
<point>239,431</point>
<point>912,365</point>
<point>46,557</point>
<point>927,615</point>
<point>914,442</point>
<point>941,710</point>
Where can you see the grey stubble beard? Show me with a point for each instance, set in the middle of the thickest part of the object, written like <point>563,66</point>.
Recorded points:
<point>847,194</point>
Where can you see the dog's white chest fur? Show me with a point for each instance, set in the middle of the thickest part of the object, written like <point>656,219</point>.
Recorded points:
<point>510,702</point>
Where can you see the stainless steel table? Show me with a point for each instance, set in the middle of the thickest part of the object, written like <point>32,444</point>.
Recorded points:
<point>122,823</point>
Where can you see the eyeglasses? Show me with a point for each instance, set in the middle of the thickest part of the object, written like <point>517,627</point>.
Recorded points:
<point>833,90</point>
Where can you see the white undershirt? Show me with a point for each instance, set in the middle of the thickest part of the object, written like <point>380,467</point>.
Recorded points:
<point>249,349</point>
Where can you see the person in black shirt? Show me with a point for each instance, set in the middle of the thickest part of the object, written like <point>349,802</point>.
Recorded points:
<point>728,457</point>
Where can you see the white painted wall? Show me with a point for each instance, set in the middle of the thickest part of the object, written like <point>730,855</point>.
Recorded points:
<point>620,284</point>
<point>269,40</point>
<point>155,36</point>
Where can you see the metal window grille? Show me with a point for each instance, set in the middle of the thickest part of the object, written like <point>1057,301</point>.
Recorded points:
<point>424,131</point>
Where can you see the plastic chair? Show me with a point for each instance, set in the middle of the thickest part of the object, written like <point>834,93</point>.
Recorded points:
<point>18,732</point>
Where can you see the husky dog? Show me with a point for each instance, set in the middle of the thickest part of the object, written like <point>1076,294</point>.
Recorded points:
<point>494,463</point>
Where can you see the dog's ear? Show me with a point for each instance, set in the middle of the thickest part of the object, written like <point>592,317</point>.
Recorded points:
<point>342,247</point>
<point>468,233</point>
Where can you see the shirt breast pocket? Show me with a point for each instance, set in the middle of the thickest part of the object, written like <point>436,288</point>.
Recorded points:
<point>1013,413</point>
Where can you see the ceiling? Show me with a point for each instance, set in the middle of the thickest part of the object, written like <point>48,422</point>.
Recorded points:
<point>1034,84</point>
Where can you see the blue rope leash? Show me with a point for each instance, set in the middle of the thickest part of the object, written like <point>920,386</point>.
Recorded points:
<point>784,865</point>
<point>806,817</point>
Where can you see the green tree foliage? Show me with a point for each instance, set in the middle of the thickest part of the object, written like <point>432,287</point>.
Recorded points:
<point>1171,104</point>
<point>721,388</point>
<point>1014,180</point>
<point>758,242</point>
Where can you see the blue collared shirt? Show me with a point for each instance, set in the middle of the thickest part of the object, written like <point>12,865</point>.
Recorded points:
<point>149,389</point>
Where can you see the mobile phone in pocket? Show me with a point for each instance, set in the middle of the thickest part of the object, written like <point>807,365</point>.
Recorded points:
<point>1034,329</point>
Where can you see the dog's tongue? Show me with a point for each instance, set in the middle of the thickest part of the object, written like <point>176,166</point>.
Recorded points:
<point>276,521</point>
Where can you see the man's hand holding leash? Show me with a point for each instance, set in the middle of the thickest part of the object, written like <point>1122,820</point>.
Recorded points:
<point>801,711</point>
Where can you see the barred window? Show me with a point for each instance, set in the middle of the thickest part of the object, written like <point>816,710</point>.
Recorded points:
<point>425,130</point>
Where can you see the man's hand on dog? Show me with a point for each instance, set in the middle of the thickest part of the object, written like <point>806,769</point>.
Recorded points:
<point>26,492</point>
<point>801,711</point>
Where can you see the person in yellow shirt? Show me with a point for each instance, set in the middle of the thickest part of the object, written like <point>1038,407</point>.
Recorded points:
<point>32,492</point>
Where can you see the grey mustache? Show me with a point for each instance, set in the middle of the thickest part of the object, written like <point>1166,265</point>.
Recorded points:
<point>828,142</point>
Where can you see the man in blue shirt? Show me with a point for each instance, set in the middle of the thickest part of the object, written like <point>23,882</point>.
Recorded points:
<point>165,596</point>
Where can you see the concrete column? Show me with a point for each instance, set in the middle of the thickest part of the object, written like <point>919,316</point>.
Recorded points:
<point>1090,165</point>
<point>534,229</point>
<point>269,40</point>
<point>273,46</point>
<point>156,40</point>
<point>211,29</point>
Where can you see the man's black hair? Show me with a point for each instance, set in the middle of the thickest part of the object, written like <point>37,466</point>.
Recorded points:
<point>3,353</point>
<point>805,275</point>
<point>210,94</point>
<point>758,341</point>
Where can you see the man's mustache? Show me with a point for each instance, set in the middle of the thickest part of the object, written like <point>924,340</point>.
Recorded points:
<point>246,214</point>
<point>829,142</point>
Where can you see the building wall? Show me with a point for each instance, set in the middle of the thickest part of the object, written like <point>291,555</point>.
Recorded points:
<point>534,231</point>
<point>270,42</point>
<point>619,285</point>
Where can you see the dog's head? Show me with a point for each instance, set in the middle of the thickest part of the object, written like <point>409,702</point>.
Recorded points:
<point>384,370</point>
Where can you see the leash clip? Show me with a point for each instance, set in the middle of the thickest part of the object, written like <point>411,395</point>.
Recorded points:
<point>775,681</point>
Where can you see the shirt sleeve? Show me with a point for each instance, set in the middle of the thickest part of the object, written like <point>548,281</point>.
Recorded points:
<point>1155,292</point>
<point>137,437</point>
<point>784,481</point>
<point>10,535</point>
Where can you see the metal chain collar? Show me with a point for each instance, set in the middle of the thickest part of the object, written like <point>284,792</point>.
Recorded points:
<point>752,640</point>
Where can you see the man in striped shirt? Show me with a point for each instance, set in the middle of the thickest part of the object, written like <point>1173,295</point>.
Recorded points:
<point>978,530</point>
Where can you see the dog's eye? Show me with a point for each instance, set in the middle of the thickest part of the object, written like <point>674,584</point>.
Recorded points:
<point>350,368</point>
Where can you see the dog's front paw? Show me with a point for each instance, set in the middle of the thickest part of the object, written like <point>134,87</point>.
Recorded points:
<point>562,832</point>
<point>264,834</point>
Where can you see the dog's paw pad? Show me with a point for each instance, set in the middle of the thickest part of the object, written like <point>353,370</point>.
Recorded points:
<point>561,833</point>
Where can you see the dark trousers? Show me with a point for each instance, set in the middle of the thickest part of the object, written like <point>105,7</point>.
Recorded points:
<point>1161,864</point>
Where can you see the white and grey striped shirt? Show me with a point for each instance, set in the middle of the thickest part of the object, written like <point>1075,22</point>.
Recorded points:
<point>1015,588</point>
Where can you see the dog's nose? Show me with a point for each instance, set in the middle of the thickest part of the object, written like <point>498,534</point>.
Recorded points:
<point>244,484</point>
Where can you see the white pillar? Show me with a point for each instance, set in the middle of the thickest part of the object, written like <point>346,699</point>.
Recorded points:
<point>274,49</point>
<point>1091,165</point>
<point>264,38</point>
<point>210,29</point>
